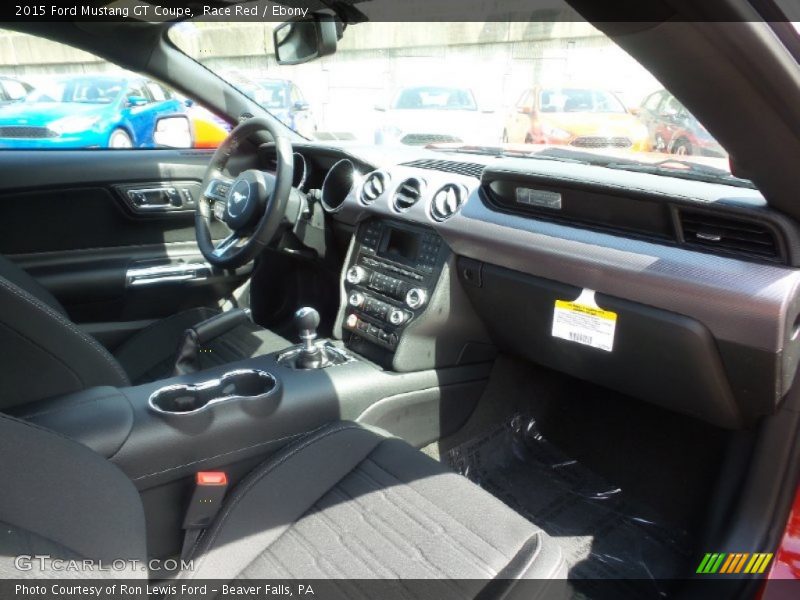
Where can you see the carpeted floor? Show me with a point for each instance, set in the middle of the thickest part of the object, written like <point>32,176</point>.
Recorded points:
<point>616,481</point>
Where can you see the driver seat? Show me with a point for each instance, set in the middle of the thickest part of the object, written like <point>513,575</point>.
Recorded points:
<point>45,354</point>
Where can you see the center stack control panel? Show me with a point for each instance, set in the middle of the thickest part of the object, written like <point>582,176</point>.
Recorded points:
<point>391,276</point>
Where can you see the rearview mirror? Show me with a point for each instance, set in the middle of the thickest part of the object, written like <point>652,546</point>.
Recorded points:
<point>305,39</point>
<point>174,131</point>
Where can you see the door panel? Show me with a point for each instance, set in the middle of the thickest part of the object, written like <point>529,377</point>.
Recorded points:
<point>67,220</point>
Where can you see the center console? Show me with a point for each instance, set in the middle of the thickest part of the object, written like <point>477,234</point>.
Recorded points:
<point>389,282</point>
<point>409,355</point>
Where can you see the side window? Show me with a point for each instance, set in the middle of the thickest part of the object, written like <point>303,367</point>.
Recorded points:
<point>137,90</point>
<point>158,93</point>
<point>75,101</point>
<point>296,96</point>
<point>525,100</point>
<point>653,101</point>
<point>671,107</point>
<point>14,89</point>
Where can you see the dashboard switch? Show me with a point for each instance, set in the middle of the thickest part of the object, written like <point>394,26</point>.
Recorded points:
<point>356,275</point>
<point>397,316</point>
<point>416,298</point>
<point>356,300</point>
<point>352,321</point>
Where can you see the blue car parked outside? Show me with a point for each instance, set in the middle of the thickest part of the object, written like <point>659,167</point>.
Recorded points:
<point>87,111</point>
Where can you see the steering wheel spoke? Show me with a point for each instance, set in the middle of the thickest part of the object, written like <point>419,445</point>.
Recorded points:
<point>218,188</point>
<point>230,244</point>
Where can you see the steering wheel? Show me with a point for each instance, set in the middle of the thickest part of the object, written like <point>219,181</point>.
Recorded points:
<point>252,204</point>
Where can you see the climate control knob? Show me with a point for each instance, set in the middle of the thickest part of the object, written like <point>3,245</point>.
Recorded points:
<point>416,298</point>
<point>397,316</point>
<point>356,275</point>
<point>356,299</point>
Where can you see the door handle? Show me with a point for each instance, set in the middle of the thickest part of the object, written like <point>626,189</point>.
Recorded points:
<point>160,197</point>
<point>139,276</point>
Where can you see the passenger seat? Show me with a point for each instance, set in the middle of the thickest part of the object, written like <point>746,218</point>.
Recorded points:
<point>344,502</point>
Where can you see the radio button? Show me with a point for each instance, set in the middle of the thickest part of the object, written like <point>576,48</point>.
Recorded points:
<point>352,321</point>
<point>356,275</point>
<point>356,299</point>
<point>416,298</point>
<point>397,316</point>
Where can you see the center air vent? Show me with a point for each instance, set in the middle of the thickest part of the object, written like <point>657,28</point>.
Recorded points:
<point>373,187</point>
<point>407,195</point>
<point>730,235</point>
<point>447,201</point>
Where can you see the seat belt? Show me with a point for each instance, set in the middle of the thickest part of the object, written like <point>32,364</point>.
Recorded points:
<point>207,497</point>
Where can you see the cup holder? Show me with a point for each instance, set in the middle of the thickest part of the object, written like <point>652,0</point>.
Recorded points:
<point>192,398</point>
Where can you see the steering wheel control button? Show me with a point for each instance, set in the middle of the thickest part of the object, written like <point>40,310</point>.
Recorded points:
<point>219,211</point>
<point>416,298</point>
<point>356,275</point>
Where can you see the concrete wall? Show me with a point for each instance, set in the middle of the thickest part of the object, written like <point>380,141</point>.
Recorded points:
<point>497,60</point>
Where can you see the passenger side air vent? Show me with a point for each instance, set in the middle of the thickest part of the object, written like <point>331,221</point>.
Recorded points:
<point>407,195</point>
<point>447,166</point>
<point>373,187</point>
<point>730,235</point>
<point>447,201</point>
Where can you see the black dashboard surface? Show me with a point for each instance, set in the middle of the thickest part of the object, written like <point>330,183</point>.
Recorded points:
<point>749,305</point>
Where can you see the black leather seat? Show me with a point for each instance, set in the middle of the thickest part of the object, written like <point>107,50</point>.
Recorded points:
<point>45,354</point>
<point>344,502</point>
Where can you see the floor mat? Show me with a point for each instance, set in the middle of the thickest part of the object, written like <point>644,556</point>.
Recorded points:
<point>603,533</point>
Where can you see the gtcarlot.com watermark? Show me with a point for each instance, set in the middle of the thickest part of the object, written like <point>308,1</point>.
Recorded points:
<point>45,562</point>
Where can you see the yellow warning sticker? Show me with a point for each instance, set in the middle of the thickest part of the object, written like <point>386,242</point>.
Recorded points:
<point>583,322</point>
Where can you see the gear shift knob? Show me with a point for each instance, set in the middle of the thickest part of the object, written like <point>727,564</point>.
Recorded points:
<point>307,320</point>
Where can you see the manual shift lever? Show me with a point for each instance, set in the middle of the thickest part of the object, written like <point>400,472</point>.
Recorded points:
<point>307,320</point>
<point>311,354</point>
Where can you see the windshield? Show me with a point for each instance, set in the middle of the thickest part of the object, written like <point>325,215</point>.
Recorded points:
<point>89,91</point>
<point>519,87</point>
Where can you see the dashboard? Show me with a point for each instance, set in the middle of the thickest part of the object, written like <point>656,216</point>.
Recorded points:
<point>708,269</point>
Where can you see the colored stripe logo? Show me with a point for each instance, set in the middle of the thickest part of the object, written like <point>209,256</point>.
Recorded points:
<point>736,562</point>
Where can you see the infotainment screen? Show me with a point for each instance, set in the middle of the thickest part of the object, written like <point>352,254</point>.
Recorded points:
<point>398,243</point>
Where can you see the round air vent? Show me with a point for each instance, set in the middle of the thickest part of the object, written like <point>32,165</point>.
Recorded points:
<point>373,187</point>
<point>337,185</point>
<point>407,195</point>
<point>447,201</point>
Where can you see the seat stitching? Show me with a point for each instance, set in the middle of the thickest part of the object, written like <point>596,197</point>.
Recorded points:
<point>434,505</point>
<point>288,438</point>
<point>331,525</point>
<point>366,516</point>
<point>265,469</point>
<point>22,294</point>
<point>306,544</point>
